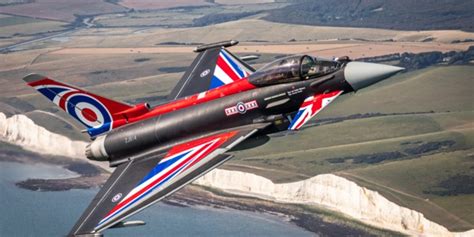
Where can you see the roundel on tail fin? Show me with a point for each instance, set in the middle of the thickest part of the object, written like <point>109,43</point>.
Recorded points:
<point>95,112</point>
<point>89,111</point>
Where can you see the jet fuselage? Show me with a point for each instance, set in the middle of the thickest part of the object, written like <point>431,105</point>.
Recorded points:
<point>268,103</point>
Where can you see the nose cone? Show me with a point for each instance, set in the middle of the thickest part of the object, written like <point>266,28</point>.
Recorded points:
<point>360,74</point>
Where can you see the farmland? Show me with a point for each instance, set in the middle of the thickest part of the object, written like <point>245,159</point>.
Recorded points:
<point>253,31</point>
<point>64,11</point>
<point>163,4</point>
<point>14,29</point>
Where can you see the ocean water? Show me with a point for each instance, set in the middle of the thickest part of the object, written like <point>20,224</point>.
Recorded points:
<point>32,213</point>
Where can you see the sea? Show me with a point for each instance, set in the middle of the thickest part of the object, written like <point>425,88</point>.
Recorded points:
<point>33,213</point>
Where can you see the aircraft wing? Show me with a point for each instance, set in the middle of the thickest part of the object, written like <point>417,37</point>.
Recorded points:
<point>311,106</point>
<point>213,67</point>
<point>140,182</point>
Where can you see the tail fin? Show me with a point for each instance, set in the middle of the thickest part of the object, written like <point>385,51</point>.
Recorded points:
<point>228,69</point>
<point>213,67</point>
<point>95,112</point>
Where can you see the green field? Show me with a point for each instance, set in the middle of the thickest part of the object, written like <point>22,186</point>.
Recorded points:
<point>314,149</point>
<point>181,17</point>
<point>15,20</point>
<point>15,26</point>
<point>408,183</point>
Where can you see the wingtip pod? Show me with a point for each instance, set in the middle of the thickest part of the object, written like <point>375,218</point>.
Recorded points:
<point>88,235</point>
<point>33,77</point>
<point>224,44</point>
<point>128,224</point>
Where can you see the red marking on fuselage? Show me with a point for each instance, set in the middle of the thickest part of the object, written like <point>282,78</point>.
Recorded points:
<point>219,92</point>
<point>120,120</point>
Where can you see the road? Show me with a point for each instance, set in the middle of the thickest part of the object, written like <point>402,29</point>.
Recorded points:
<point>36,40</point>
<point>88,23</point>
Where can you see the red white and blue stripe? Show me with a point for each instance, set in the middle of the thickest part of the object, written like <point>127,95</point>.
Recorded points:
<point>178,160</point>
<point>227,70</point>
<point>310,107</point>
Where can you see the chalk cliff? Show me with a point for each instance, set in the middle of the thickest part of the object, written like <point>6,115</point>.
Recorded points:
<point>22,131</point>
<point>331,192</point>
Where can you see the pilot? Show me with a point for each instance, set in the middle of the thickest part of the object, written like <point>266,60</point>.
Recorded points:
<point>293,67</point>
<point>312,70</point>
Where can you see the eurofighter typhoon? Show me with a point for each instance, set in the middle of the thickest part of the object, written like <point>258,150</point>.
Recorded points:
<point>219,102</point>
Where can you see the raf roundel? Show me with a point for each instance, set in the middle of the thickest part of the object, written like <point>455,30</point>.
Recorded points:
<point>116,197</point>
<point>205,73</point>
<point>82,106</point>
<point>89,111</point>
<point>241,108</point>
<point>89,114</point>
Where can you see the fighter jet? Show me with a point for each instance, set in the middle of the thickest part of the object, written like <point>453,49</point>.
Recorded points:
<point>219,102</point>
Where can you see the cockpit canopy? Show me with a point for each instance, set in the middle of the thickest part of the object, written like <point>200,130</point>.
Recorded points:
<point>292,68</point>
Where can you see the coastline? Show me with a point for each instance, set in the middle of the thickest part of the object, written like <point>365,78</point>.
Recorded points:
<point>51,213</point>
<point>317,221</point>
<point>89,176</point>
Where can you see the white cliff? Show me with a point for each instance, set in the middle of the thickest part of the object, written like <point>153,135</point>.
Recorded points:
<point>22,131</point>
<point>326,191</point>
<point>334,193</point>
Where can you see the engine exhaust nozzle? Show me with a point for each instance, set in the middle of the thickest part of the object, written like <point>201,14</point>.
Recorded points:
<point>96,150</point>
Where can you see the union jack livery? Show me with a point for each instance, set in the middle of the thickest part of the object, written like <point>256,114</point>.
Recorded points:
<point>310,107</point>
<point>176,162</point>
<point>219,102</point>
<point>227,70</point>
